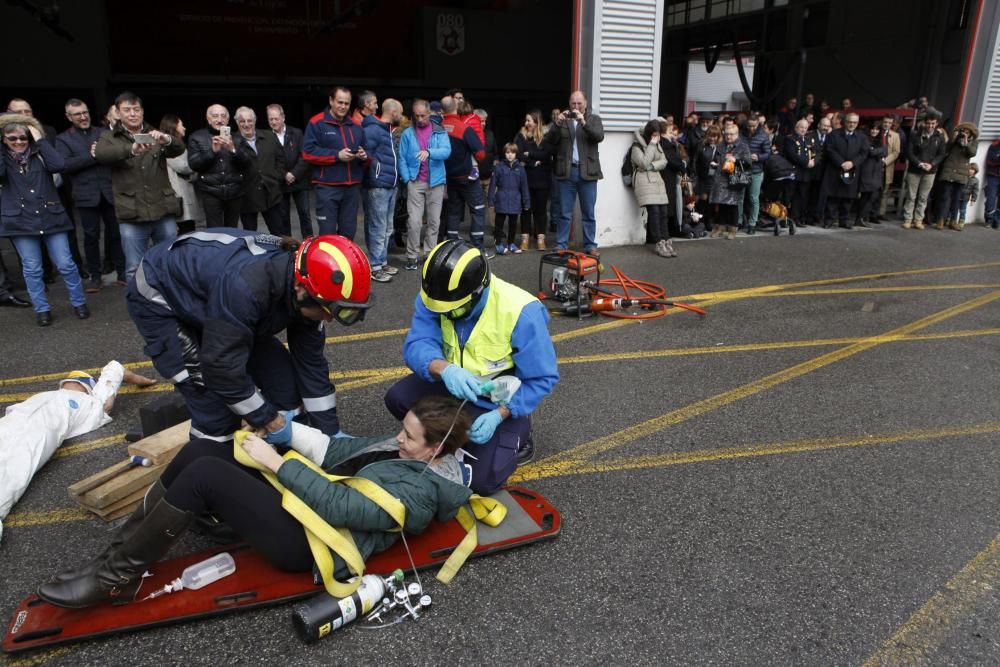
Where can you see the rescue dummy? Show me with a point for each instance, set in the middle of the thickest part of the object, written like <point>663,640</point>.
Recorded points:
<point>31,431</point>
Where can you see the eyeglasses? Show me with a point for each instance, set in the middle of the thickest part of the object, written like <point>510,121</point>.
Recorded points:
<point>14,139</point>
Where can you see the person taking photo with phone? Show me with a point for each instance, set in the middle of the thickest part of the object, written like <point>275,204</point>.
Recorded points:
<point>145,203</point>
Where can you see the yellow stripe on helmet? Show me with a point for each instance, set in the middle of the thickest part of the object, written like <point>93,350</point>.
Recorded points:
<point>342,264</point>
<point>463,261</point>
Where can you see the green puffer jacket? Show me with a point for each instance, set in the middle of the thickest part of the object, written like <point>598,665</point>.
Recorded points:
<point>140,183</point>
<point>436,494</point>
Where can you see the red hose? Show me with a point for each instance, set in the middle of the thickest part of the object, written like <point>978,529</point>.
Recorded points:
<point>628,288</point>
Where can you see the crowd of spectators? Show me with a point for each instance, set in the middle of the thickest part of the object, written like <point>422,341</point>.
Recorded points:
<point>809,165</point>
<point>417,172</point>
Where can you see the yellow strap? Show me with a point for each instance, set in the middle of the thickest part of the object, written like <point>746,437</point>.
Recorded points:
<point>489,511</point>
<point>322,537</point>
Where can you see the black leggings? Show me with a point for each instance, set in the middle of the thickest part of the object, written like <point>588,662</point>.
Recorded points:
<point>656,221</point>
<point>204,477</point>
<point>533,222</point>
<point>502,221</point>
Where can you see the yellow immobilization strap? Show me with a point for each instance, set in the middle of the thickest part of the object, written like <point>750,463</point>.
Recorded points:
<point>323,537</point>
<point>489,511</point>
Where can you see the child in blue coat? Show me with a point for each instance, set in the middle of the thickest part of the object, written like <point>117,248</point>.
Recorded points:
<point>509,195</point>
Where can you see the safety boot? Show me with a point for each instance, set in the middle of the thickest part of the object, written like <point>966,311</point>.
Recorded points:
<point>153,496</point>
<point>120,575</point>
<point>942,223</point>
<point>918,224</point>
<point>907,224</point>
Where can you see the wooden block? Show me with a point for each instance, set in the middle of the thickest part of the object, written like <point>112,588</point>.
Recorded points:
<point>163,446</point>
<point>125,511</point>
<point>130,500</point>
<point>121,486</point>
<point>95,480</point>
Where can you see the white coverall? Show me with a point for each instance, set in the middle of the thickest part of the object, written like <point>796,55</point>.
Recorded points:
<point>30,432</point>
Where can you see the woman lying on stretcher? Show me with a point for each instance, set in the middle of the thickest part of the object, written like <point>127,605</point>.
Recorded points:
<point>417,467</point>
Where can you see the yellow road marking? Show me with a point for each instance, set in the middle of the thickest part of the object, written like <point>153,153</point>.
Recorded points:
<point>844,279</point>
<point>658,461</point>
<point>752,451</point>
<point>368,376</point>
<point>90,445</point>
<point>37,658</point>
<point>777,345</point>
<point>724,295</point>
<point>61,515</point>
<point>919,638</point>
<point>567,458</point>
<point>331,340</point>
<point>868,290</point>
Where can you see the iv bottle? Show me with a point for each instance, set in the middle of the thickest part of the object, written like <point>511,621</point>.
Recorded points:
<point>204,573</point>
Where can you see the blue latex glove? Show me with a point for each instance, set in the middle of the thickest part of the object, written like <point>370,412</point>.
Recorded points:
<point>341,434</point>
<point>484,426</point>
<point>460,382</point>
<point>283,435</point>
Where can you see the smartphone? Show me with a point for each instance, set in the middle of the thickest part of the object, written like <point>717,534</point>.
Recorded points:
<point>225,131</point>
<point>143,139</point>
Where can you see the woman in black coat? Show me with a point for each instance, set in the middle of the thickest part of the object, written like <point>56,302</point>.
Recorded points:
<point>871,175</point>
<point>704,173</point>
<point>536,155</point>
<point>31,212</point>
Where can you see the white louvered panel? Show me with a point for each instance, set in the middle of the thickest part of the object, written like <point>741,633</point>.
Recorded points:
<point>626,62</point>
<point>989,118</point>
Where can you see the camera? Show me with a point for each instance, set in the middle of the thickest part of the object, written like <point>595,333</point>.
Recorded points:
<point>225,131</point>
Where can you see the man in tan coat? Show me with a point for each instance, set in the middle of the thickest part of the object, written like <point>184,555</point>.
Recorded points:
<point>890,138</point>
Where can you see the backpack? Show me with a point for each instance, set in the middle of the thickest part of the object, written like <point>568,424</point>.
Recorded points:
<point>628,171</point>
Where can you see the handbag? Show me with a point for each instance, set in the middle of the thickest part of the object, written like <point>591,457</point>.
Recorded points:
<point>740,176</point>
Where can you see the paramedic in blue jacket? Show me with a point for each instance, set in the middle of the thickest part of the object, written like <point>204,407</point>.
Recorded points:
<point>469,326</point>
<point>335,147</point>
<point>379,191</point>
<point>209,306</point>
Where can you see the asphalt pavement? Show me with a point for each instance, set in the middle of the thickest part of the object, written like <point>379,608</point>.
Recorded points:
<point>807,475</point>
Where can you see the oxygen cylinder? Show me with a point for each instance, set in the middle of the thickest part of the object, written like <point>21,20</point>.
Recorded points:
<point>321,615</point>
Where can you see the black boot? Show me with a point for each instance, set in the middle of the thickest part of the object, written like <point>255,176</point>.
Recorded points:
<point>526,450</point>
<point>153,496</point>
<point>121,574</point>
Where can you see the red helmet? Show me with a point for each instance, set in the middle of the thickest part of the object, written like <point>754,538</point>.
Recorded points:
<point>337,276</point>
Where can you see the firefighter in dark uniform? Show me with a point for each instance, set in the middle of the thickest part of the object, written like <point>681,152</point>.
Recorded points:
<point>209,306</point>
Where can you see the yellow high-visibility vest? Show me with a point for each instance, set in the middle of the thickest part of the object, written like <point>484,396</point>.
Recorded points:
<point>488,350</point>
